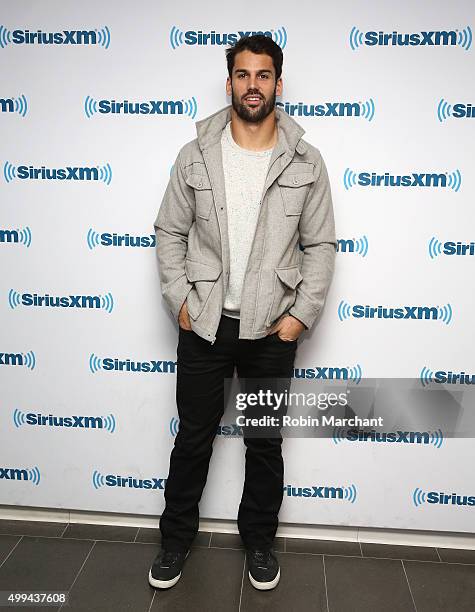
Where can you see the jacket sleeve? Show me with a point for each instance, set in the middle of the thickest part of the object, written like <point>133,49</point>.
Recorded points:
<point>173,222</point>
<point>317,238</point>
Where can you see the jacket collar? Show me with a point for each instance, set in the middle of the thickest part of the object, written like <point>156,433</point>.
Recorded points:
<point>209,130</point>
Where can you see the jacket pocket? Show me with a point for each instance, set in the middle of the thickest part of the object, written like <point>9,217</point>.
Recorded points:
<point>294,189</point>
<point>204,277</point>
<point>203,194</point>
<point>285,284</point>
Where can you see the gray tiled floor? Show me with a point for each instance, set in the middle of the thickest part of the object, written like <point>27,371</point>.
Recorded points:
<point>105,568</point>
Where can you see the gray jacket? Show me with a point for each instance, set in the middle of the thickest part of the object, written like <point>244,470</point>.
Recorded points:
<point>192,234</point>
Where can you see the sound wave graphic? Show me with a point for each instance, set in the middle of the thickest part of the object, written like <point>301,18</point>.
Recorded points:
<point>9,171</point>
<point>21,105</point>
<point>176,37</point>
<point>95,363</point>
<point>349,178</point>
<point>174,426</point>
<point>350,493</point>
<point>418,497</point>
<point>344,310</point>
<point>361,245</point>
<point>464,38</point>
<point>90,106</point>
<point>107,302</point>
<point>14,298</point>
<point>104,37</point>
<point>190,107</point>
<point>356,38</point>
<point>105,174</point>
<point>435,247</point>
<point>98,479</point>
<point>355,373</point>
<point>5,37</point>
<point>280,37</point>
<point>34,475</point>
<point>455,180</point>
<point>444,313</point>
<point>109,422</point>
<point>426,376</point>
<point>444,110</point>
<point>93,239</point>
<point>367,109</point>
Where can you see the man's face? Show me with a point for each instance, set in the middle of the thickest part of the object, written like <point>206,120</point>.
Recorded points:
<point>253,87</point>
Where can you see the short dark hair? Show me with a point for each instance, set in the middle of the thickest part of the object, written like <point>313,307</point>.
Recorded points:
<point>259,43</point>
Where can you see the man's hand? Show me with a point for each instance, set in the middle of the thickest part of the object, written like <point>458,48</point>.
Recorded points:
<point>288,328</point>
<point>184,317</point>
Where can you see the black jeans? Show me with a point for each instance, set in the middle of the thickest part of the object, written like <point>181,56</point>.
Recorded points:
<point>201,370</point>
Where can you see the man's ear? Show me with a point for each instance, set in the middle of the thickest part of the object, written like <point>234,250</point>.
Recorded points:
<point>279,87</point>
<point>228,87</point>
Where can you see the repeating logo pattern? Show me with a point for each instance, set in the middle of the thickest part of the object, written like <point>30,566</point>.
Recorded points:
<point>359,311</point>
<point>178,37</point>
<point>359,246</point>
<point>461,38</point>
<point>69,173</point>
<point>14,105</point>
<point>101,37</point>
<point>105,302</point>
<point>434,438</point>
<point>452,180</point>
<point>19,236</point>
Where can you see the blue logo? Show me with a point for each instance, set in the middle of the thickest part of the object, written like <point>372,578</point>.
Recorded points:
<point>330,109</point>
<point>359,311</point>
<point>419,497</point>
<point>359,246</point>
<point>453,180</point>
<point>343,493</point>
<point>126,482</point>
<point>457,111</point>
<point>74,421</point>
<point>192,37</point>
<point>113,364</point>
<point>443,377</point>
<point>69,173</point>
<point>353,373</point>
<point>18,236</point>
<point>27,360</point>
<point>105,302</point>
<point>228,431</point>
<point>31,474</point>
<point>14,105</point>
<point>434,438</point>
<point>434,38</point>
<point>188,107</point>
<point>107,239</point>
<point>449,247</point>
<point>100,37</point>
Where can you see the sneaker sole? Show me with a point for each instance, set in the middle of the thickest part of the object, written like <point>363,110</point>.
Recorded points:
<point>163,584</point>
<point>265,586</point>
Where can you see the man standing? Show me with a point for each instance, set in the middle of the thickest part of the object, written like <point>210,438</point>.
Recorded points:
<point>246,247</point>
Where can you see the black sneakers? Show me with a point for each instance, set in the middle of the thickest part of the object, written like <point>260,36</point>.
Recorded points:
<point>166,569</point>
<point>264,570</point>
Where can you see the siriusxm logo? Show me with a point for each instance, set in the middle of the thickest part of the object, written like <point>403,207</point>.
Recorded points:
<point>27,360</point>
<point>433,38</point>
<point>344,493</point>
<point>455,111</point>
<point>443,377</point>
<point>359,246</point>
<point>353,373</point>
<point>330,109</point>
<point>453,180</point>
<point>69,173</point>
<point>126,482</point>
<point>31,474</point>
<point>14,105</point>
<point>94,239</point>
<point>197,37</point>
<point>105,302</point>
<point>419,497</point>
<point>450,247</point>
<point>228,431</point>
<point>97,36</point>
<point>17,236</point>
<point>434,438</point>
<point>359,311</point>
<point>113,364</point>
<point>74,421</point>
<point>149,107</point>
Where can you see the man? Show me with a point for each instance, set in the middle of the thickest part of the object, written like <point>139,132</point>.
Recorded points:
<point>246,247</point>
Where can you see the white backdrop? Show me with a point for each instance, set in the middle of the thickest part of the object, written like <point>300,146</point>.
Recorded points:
<point>55,240</point>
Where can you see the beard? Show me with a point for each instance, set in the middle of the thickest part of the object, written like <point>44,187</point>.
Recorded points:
<point>254,115</point>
